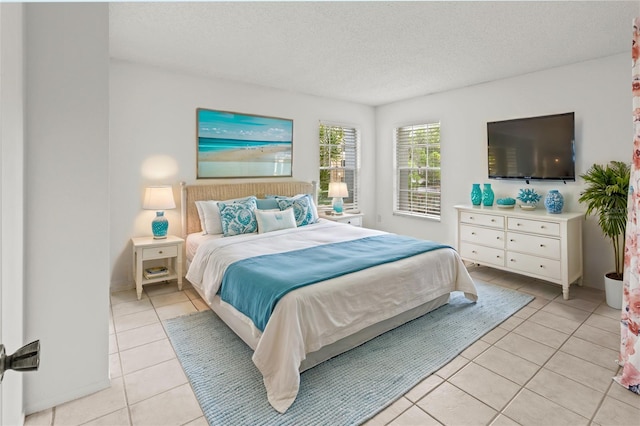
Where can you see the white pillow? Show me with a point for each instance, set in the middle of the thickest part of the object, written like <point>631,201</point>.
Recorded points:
<point>209,213</point>
<point>275,220</point>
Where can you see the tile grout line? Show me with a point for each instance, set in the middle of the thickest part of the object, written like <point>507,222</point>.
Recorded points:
<point>166,390</point>
<point>446,380</point>
<point>498,412</point>
<point>541,367</point>
<point>547,361</point>
<point>556,350</point>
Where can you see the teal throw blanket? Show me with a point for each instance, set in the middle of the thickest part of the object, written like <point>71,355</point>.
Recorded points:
<point>254,285</point>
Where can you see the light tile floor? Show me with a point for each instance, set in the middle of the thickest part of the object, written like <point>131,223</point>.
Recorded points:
<point>551,363</point>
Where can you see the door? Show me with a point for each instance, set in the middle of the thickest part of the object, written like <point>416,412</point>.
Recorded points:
<point>11,203</point>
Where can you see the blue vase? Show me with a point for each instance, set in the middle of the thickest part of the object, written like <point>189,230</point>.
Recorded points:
<point>554,201</point>
<point>487,195</point>
<point>159,226</point>
<point>476,194</point>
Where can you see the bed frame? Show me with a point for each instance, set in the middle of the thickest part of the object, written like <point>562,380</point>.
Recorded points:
<point>226,191</point>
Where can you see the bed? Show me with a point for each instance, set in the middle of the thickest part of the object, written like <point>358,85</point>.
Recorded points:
<point>312,323</point>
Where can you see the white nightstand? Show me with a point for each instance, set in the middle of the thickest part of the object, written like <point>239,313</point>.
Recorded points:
<point>354,219</point>
<point>148,249</point>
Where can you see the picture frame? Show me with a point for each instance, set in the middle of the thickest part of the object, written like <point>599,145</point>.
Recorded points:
<point>237,145</point>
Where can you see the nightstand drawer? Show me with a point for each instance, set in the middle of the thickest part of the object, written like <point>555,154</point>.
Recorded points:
<point>159,252</point>
<point>355,221</point>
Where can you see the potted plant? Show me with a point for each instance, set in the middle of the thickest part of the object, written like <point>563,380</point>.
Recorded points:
<point>606,193</point>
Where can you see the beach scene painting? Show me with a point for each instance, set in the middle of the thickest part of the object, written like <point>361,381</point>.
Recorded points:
<point>231,144</point>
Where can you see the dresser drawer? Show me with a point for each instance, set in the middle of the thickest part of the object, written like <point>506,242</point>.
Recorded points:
<point>159,252</point>
<point>534,265</point>
<point>482,219</point>
<point>482,254</point>
<point>537,226</point>
<point>484,236</point>
<point>533,244</point>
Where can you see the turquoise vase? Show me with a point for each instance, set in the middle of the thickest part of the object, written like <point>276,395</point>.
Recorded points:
<point>487,195</point>
<point>159,226</point>
<point>476,194</point>
<point>554,201</point>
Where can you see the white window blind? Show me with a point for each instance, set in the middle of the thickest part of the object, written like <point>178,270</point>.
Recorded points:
<point>339,162</point>
<point>418,170</point>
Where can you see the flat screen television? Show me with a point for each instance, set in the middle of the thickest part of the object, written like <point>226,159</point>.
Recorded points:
<point>536,148</point>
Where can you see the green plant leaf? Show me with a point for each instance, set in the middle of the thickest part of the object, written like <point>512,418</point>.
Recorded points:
<point>606,194</point>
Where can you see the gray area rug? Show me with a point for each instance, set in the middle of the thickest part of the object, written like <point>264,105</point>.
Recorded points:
<point>347,389</point>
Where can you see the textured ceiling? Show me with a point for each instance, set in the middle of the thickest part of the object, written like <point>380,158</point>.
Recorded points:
<point>368,52</point>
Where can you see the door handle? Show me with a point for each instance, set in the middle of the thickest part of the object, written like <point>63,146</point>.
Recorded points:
<point>27,358</point>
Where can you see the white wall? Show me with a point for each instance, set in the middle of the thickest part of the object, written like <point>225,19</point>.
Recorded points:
<point>11,203</point>
<point>599,93</point>
<point>153,141</point>
<point>67,199</point>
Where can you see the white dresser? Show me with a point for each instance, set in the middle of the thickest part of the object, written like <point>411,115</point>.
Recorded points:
<point>533,243</point>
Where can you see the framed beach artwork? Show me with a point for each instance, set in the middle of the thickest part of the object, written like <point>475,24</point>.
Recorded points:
<point>234,145</point>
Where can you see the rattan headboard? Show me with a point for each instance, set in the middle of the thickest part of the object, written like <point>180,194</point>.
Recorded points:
<point>227,191</point>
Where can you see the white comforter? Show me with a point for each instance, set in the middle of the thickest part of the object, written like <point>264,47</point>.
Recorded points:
<point>314,316</point>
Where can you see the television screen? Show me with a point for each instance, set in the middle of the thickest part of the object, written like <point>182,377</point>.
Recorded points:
<point>532,148</point>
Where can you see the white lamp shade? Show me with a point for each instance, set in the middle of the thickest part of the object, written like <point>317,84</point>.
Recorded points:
<point>158,198</point>
<point>338,189</point>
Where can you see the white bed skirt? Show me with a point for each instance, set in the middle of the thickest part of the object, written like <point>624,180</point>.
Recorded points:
<point>234,320</point>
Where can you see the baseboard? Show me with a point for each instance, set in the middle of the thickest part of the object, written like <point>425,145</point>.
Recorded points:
<point>121,285</point>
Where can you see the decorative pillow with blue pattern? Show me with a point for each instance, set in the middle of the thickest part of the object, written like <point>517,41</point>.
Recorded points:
<point>209,214</point>
<point>239,217</point>
<point>304,209</point>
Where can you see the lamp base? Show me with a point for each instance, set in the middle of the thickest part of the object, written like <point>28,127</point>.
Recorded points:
<point>337,205</point>
<point>159,226</point>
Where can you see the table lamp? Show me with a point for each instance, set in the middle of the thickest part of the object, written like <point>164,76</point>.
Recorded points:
<point>338,190</point>
<point>159,198</point>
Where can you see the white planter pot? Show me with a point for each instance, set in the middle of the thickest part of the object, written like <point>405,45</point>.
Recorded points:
<point>613,292</point>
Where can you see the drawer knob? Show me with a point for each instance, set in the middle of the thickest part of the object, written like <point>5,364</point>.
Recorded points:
<point>160,251</point>
<point>541,245</point>
<point>541,226</point>
<point>512,240</point>
<point>517,224</point>
<point>473,233</point>
<point>493,220</point>
<point>512,260</point>
<point>474,252</point>
<point>497,238</point>
<point>471,217</point>
<point>498,256</point>
<point>542,266</point>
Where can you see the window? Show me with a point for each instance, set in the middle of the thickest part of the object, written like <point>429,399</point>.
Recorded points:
<point>418,170</point>
<point>339,162</point>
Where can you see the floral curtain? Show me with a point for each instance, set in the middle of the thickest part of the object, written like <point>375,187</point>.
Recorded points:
<point>629,357</point>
